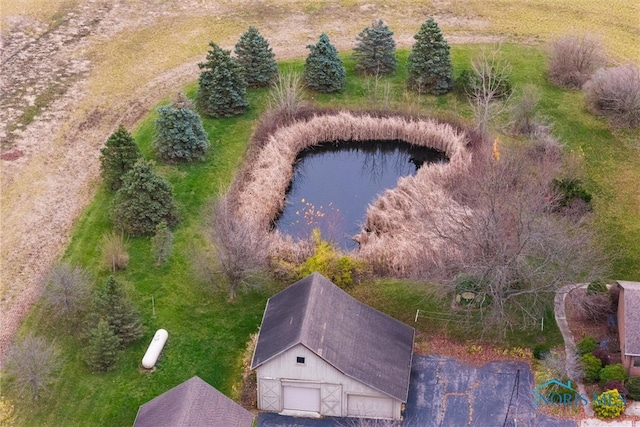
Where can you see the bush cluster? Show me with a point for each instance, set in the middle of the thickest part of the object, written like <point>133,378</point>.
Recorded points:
<point>609,405</point>
<point>614,372</point>
<point>591,366</point>
<point>633,388</point>
<point>342,270</point>
<point>540,351</point>
<point>574,58</point>
<point>615,385</point>
<point>614,93</point>
<point>586,345</point>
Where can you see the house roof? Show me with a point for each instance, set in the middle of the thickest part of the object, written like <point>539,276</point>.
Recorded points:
<point>361,342</point>
<point>631,317</point>
<point>193,403</point>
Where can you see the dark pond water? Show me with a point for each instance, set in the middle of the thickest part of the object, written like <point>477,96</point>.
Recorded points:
<point>334,183</point>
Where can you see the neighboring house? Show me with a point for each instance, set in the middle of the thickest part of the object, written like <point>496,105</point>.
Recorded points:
<point>629,325</point>
<point>322,352</point>
<point>193,403</point>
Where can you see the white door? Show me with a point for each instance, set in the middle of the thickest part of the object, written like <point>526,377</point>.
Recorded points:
<point>369,406</point>
<point>301,398</point>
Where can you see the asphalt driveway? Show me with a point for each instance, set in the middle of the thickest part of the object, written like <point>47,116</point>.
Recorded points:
<point>446,393</point>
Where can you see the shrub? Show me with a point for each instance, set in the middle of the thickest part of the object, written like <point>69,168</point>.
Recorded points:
<point>615,385</point>
<point>614,93</point>
<point>114,251</point>
<point>524,113</point>
<point>344,271</point>
<point>180,135</point>
<point>591,366</point>
<point>574,59</point>
<point>429,62</point>
<point>256,58</point>
<point>323,69</point>
<point>614,372</point>
<point>118,156</point>
<point>144,201</point>
<point>609,405</point>
<point>602,354</point>
<point>161,243</point>
<point>67,290</point>
<point>286,94</point>
<point>33,363</point>
<point>541,350</point>
<point>633,388</point>
<point>222,89</point>
<point>375,52</point>
<point>586,345</point>
<point>597,287</point>
<point>571,189</point>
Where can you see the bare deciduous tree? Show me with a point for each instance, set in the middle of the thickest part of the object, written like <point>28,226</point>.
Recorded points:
<point>512,241</point>
<point>592,307</point>
<point>67,289</point>
<point>574,58</point>
<point>33,362</point>
<point>240,250</point>
<point>489,87</point>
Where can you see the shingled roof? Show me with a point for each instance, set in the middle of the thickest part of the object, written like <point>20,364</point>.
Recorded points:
<point>359,341</point>
<point>631,317</point>
<point>193,403</point>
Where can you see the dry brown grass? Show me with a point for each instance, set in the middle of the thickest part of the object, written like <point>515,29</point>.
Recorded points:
<point>260,188</point>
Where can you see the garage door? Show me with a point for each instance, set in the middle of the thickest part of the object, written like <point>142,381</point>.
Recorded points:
<point>301,398</point>
<point>369,406</point>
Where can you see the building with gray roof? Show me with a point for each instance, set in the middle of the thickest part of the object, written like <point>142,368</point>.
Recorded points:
<point>194,403</point>
<point>322,352</point>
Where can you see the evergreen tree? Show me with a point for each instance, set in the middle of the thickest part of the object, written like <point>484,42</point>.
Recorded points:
<point>102,352</point>
<point>429,62</point>
<point>161,243</point>
<point>323,70</point>
<point>222,90</point>
<point>112,304</point>
<point>144,200</point>
<point>180,135</point>
<point>117,157</point>
<point>256,58</point>
<point>375,52</point>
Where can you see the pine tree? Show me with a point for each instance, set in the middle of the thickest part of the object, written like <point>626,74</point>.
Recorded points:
<point>429,62</point>
<point>323,70</point>
<point>102,352</point>
<point>222,90</point>
<point>256,58</point>
<point>112,304</point>
<point>144,200</point>
<point>117,157</point>
<point>180,135</point>
<point>161,243</point>
<point>375,52</point>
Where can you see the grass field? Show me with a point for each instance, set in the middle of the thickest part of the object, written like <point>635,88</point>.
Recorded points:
<point>207,334</point>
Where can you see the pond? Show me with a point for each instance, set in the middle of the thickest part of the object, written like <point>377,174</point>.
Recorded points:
<point>334,183</point>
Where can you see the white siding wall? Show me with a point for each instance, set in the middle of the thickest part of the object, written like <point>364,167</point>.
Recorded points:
<point>314,371</point>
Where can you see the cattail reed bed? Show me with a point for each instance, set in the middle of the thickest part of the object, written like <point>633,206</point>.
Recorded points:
<point>393,221</point>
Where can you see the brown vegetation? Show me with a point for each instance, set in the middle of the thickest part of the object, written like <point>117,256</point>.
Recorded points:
<point>259,190</point>
<point>574,58</point>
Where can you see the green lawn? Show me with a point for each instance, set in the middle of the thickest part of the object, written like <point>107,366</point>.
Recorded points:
<point>207,334</point>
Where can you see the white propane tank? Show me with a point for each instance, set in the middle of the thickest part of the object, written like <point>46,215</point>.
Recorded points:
<point>155,348</point>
